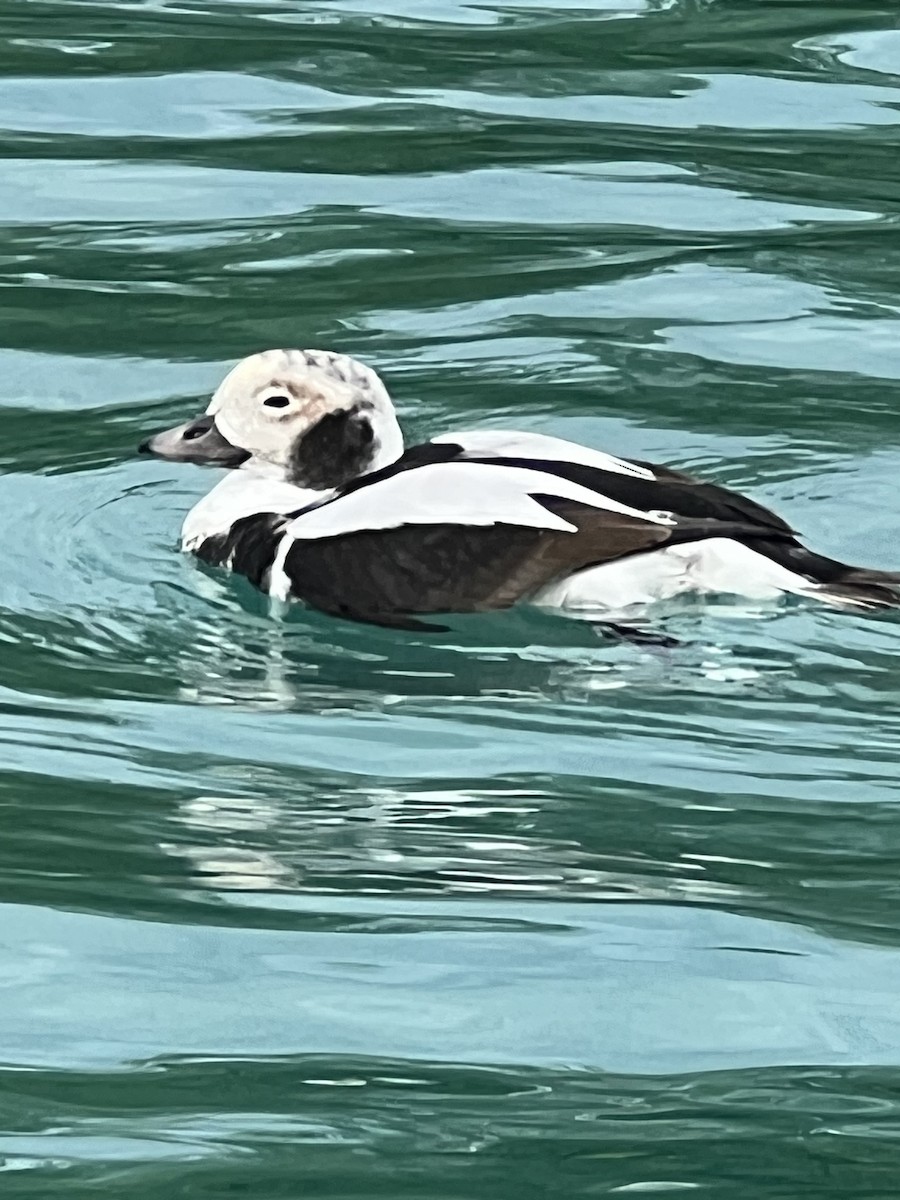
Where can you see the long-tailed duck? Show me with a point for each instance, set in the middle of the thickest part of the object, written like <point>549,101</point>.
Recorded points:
<point>323,504</point>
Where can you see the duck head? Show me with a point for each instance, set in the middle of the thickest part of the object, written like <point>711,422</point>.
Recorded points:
<point>310,417</point>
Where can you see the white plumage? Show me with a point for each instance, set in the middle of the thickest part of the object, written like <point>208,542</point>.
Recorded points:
<point>241,494</point>
<point>513,444</point>
<point>464,493</point>
<point>324,505</point>
<point>713,566</point>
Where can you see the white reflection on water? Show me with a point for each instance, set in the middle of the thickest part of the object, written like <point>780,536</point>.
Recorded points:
<point>430,840</point>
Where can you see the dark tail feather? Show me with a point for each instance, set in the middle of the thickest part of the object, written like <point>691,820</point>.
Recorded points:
<point>863,588</point>
<point>841,584</point>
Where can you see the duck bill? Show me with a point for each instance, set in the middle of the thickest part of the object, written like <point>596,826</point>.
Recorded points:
<point>197,441</point>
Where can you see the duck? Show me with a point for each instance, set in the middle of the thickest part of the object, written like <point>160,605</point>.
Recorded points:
<point>323,503</point>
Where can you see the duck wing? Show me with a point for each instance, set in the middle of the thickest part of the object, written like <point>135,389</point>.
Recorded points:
<point>624,479</point>
<point>683,496</point>
<point>467,536</point>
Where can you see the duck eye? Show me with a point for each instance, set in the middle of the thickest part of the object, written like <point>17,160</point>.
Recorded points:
<point>276,401</point>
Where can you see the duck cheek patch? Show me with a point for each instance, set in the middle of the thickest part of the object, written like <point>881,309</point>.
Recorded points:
<point>338,448</point>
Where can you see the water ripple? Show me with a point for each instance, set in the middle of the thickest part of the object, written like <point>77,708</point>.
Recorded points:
<point>290,905</point>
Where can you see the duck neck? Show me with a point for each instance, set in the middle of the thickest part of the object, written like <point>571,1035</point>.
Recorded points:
<point>387,445</point>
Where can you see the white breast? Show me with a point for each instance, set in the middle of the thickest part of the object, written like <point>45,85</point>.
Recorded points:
<point>241,494</point>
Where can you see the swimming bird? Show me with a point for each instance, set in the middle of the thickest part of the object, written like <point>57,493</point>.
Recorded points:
<point>322,504</point>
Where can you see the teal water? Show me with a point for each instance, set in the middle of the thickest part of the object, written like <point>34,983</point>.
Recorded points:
<point>310,909</point>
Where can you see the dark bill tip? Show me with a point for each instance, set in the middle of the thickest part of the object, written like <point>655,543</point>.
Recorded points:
<point>197,441</point>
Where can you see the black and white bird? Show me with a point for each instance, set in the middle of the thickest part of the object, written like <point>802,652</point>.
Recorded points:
<point>323,504</point>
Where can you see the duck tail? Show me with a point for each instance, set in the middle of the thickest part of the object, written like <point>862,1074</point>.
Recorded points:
<point>838,583</point>
<point>858,587</point>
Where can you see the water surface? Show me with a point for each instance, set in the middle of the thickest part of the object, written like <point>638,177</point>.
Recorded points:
<point>306,908</point>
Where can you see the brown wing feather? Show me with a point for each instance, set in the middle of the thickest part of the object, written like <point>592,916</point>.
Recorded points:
<point>458,568</point>
<point>382,575</point>
<point>602,536</point>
